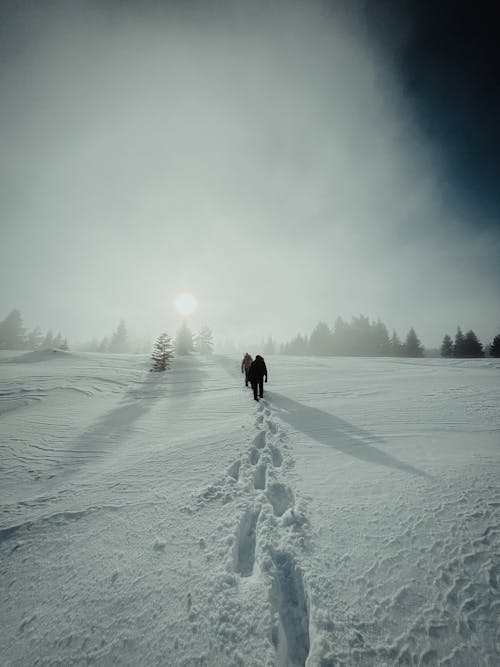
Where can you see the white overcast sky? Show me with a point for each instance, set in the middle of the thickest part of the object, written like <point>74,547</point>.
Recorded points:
<point>259,155</point>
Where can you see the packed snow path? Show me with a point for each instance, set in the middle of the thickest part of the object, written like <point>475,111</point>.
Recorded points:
<point>349,518</point>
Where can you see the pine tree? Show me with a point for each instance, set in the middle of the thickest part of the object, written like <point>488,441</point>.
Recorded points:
<point>48,341</point>
<point>103,346</point>
<point>184,340</point>
<point>472,346</point>
<point>458,346</point>
<point>119,340</point>
<point>12,331</point>
<point>396,346</point>
<point>58,341</point>
<point>341,337</point>
<point>204,341</point>
<point>320,342</point>
<point>299,346</point>
<point>34,339</point>
<point>162,353</point>
<point>494,348</point>
<point>269,346</point>
<point>446,347</point>
<point>381,341</point>
<point>412,346</point>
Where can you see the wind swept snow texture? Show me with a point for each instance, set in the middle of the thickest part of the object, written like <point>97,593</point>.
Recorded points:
<point>352,517</point>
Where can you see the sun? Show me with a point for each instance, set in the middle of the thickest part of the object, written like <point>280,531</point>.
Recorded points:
<point>185,304</point>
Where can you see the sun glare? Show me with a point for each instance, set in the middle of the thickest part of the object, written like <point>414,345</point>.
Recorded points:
<point>185,304</point>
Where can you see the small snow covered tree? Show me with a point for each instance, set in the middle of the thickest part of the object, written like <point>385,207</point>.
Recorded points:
<point>162,353</point>
<point>184,340</point>
<point>446,347</point>
<point>204,341</point>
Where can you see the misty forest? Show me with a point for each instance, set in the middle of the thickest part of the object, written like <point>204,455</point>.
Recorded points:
<point>360,337</point>
<point>249,333</point>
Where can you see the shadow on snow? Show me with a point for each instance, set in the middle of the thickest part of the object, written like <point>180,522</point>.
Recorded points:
<point>334,432</point>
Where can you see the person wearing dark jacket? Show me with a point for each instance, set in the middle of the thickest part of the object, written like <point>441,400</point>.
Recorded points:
<point>256,374</point>
<point>245,365</point>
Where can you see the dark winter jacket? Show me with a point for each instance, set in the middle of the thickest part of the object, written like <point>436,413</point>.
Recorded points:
<point>257,369</point>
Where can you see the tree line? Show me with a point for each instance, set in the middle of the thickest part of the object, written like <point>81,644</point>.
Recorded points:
<point>362,337</point>
<point>358,338</point>
<point>468,345</point>
<point>14,336</point>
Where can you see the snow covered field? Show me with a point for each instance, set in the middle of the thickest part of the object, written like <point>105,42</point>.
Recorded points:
<point>350,518</point>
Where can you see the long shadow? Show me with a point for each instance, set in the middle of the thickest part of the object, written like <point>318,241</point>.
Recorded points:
<point>334,432</point>
<point>184,378</point>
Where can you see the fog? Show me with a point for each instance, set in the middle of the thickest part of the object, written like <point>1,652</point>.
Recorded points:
<point>261,156</point>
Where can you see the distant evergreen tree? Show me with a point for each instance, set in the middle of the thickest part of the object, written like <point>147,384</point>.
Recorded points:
<point>396,345</point>
<point>340,337</point>
<point>119,340</point>
<point>184,340</point>
<point>459,344</point>
<point>299,346</point>
<point>103,346</point>
<point>12,331</point>
<point>446,347</point>
<point>380,339</point>
<point>162,353</point>
<point>204,341</point>
<point>269,346</point>
<point>58,341</point>
<point>494,348</point>
<point>320,342</point>
<point>48,341</point>
<point>34,339</point>
<point>472,347</point>
<point>64,344</point>
<point>361,343</point>
<point>412,346</point>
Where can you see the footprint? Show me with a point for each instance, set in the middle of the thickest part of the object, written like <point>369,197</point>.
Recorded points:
<point>281,497</point>
<point>259,480</point>
<point>260,440</point>
<point>276,456</point>
<point>254,456</point>
<point>271,426</point>
<point>290,602</point>
<point>234,470</point>
<point>246,539</point>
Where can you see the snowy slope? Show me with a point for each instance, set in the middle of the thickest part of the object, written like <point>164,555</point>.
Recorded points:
<point>350,518</point>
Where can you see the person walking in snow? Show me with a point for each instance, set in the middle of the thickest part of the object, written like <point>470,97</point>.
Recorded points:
<point>245,365</point>
<point>256,374</point>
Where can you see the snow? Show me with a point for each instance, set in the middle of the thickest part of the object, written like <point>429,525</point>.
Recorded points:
<point>349,518</point>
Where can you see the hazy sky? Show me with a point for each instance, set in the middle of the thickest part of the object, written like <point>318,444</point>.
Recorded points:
<point>285,162</point>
